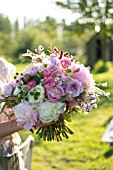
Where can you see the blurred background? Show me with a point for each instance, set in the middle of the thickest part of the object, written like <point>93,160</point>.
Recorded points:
<point>85,29</point>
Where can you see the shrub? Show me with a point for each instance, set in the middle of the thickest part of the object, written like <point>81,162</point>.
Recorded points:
<point>100,67</point>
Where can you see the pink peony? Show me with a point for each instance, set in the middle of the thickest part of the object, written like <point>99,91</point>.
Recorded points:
<point>26,117</point>
<point>83,75</point>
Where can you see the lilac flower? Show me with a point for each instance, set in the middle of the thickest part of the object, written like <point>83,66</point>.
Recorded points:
<point>32,70</point>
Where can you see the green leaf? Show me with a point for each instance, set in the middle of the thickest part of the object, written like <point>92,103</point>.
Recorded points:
<point>25,88</point>
<point>36,95</point>
<point>1,101</point>
<point>2,110</point>
<point>68,118</point>
<point>12,115</point>
<point>31,93</point>
<point>7,115</point>
<point>68,71</point>
<point>37,79</point>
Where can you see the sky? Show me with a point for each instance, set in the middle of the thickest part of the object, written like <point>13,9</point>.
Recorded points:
<point>34,9</point>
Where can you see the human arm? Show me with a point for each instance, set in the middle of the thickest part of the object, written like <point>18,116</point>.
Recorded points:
<point>9,127</point>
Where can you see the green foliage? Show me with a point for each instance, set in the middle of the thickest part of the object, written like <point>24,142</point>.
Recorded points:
<point>106,76</point>
<point>5,24</point>
<point>100,67</point>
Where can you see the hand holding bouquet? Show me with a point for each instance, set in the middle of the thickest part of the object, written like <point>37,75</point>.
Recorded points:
<point>48,90</point>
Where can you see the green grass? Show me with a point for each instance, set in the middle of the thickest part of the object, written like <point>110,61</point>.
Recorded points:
<point>83,150</point>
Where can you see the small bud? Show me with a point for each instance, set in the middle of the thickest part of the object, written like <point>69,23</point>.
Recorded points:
<point>61,54</point>
<point>66,54</point>
<point>27,78</point>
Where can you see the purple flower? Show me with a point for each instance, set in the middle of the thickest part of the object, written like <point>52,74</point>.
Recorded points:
<point>54,93</point>
<point>55,66</point>
<point>75,88</point>
<point>32,70</point>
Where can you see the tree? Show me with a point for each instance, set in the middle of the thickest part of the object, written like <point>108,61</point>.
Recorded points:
<point>49,26</point>
<point>92,13</point>
<point>5,24</point>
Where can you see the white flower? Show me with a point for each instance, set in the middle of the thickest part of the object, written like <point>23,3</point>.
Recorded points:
<point>16,91</point>
<point>36,95</point>
<point>50,111</point>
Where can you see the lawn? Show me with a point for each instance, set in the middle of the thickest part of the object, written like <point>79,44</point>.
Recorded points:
<point>83,150</point>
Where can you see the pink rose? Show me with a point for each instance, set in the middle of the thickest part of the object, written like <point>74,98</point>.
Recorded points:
<point>65,62</point>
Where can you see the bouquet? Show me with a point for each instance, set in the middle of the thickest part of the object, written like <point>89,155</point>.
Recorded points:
<point>48,91</point>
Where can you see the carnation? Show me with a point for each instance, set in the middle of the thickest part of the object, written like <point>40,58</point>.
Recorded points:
<point>31,84</point>
<point>50,111</point>
<point>54,93</point>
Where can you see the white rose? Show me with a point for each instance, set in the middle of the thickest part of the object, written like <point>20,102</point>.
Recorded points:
<point>36,95</point>
<point>49,111</point>
<point>16,91</point>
